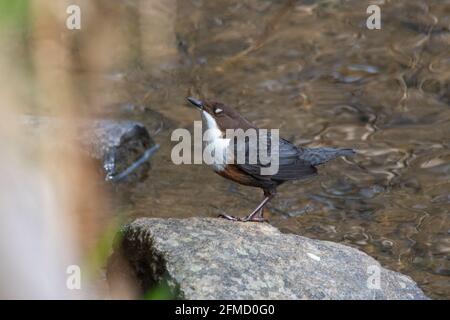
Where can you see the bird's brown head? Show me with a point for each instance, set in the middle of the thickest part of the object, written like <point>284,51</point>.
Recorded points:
<point>224,116</point>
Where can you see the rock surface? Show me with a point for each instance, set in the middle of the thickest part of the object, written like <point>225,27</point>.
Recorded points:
<point>208,258</point>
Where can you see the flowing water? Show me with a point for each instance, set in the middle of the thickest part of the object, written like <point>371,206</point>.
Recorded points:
<point>313,70</point>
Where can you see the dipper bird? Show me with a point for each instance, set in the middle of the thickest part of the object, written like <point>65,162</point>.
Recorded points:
<point>294,162</point>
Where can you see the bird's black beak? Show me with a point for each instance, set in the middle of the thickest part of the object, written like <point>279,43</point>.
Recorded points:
<point>196,102</point>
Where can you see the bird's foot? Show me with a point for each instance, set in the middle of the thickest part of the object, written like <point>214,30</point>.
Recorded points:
<point>228,217</point>
<point>254,219</point>
<point>246,219</point>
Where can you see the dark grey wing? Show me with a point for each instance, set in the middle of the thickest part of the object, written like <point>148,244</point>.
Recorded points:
<point>290,166</point>
<point>318,156</point>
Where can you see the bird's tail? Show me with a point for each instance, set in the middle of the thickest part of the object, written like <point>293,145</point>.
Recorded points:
<point>318,156</point>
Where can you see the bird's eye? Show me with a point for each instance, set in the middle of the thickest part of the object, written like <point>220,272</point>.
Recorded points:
<point>217,110</point>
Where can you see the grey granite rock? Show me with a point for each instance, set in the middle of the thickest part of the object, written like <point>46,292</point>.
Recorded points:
<point>208,258</point>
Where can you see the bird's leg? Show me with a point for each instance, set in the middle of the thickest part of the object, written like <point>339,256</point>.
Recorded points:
<point>257,214</point>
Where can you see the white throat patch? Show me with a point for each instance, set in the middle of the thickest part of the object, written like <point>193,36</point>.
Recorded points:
<point>214,140</point>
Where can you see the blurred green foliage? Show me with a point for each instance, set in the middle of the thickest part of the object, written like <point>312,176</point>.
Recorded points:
<point>14,14</point>
<point>160,292</point>
<point>98,258</point>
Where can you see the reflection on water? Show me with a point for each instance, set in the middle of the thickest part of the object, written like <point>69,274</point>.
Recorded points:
<point>312,69</point>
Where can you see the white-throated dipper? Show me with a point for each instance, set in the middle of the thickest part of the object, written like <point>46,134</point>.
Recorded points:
<point>294,162</point>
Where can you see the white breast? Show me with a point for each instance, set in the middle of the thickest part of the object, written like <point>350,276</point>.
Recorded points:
<point>214,140</point>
